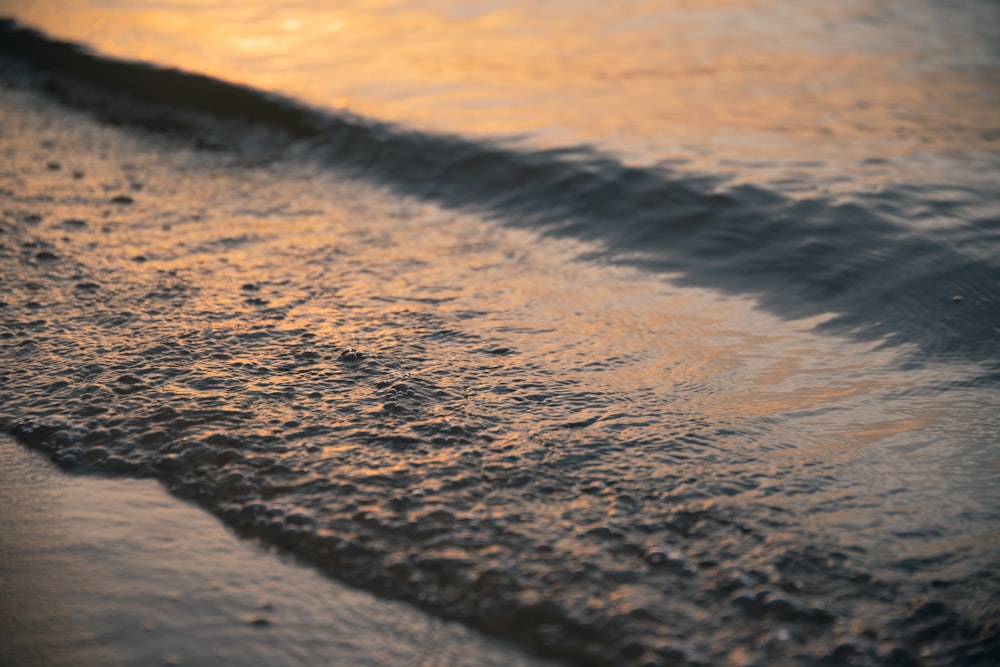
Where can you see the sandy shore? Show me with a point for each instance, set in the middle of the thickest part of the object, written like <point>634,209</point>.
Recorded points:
<point>99,571</point>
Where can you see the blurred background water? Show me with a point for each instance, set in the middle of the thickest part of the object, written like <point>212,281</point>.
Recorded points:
<point>855,93</point>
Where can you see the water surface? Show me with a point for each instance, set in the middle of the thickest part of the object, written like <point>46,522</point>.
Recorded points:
<point>634,331</point>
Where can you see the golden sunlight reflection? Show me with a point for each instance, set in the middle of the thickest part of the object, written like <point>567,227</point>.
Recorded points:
<point>717,357</point>
<point>647,79</point>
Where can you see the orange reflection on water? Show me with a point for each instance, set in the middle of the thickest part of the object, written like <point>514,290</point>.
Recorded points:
<point>753,79</point>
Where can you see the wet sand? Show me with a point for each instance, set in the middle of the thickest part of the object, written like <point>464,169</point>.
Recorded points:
<point>100,572</point>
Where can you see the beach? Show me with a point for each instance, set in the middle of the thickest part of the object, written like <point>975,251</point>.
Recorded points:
<point>99,571</point>
<point>611,412</point>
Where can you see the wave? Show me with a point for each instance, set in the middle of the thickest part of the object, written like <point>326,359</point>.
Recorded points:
<point>452,460</point>
<point>914,265</point>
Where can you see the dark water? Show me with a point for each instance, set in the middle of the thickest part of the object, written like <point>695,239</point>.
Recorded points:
<point>624,414</point>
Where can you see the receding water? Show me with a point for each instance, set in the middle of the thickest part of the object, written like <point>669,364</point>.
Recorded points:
<point>642,333</point>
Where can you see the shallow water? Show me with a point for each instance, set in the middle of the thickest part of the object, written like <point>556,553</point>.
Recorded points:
<point>622,413</point>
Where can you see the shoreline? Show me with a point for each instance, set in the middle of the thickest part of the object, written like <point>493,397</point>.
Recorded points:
<point>116,571</point>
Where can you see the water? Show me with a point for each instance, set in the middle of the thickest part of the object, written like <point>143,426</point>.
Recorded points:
<point>820,96</point>
<point>642,333</point>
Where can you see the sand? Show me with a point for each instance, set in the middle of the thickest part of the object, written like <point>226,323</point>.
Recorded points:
<point>102,571</point>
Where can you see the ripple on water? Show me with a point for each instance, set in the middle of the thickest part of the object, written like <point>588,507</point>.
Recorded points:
<point>611,487</point>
